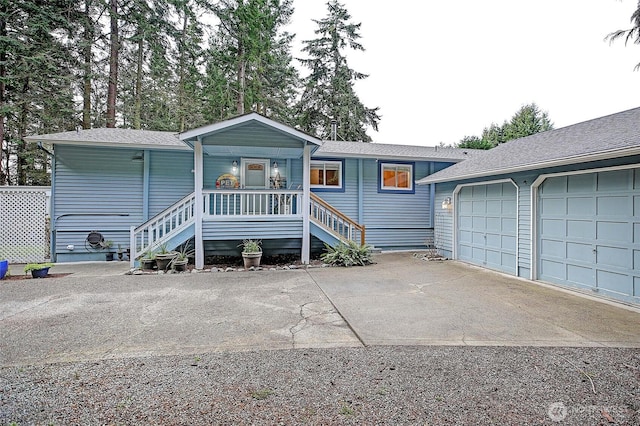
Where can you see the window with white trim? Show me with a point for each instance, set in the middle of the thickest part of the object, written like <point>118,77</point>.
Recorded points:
<point>326,174</point>
<point>396,177</point>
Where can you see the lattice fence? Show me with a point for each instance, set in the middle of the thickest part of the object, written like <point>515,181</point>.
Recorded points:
<point>24,223</point>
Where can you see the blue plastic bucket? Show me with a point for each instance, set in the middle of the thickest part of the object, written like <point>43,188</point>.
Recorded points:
<point>4,267</point>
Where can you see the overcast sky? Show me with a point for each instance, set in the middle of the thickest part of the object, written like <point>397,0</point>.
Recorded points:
<point>440,70</point>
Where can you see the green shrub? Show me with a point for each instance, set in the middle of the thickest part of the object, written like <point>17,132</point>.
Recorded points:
<point>349,254</point>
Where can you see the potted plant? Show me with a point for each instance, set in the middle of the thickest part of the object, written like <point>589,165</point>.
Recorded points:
<point>164,257</point>
<point>38,270</point>
<point>251,253</point>
<point>4,267</point>
<point>181,260</point>
<point>148,261</point>
<point>107,246</point>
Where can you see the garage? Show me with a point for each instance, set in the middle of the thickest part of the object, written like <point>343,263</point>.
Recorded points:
<point>487,225</point>
<point>589,231</point>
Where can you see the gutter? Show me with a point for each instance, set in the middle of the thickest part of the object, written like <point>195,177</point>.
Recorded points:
<point>605,155</point>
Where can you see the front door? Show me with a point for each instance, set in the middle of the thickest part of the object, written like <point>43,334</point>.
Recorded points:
<point>255,173</point>
<point>255,176</point>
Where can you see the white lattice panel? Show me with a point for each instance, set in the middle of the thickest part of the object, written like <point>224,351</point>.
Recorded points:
<point>23,224</point>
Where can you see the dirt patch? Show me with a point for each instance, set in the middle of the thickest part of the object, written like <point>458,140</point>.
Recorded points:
<point>29,277</point>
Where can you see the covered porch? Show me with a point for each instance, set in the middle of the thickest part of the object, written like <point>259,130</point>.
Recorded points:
<point>251,176</point>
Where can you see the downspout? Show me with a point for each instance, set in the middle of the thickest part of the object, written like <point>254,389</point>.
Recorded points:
<point>146,184</point>
<point>305,255</point>
<point>198,182</point>
<point>360,190</point>
<point>52,224</point>
<point>432,198</point>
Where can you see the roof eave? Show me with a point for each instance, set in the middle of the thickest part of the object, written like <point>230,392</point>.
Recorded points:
<point>211,128</point>
<point>106,144</point>
<point>389,157</point>
<point>605,155</point>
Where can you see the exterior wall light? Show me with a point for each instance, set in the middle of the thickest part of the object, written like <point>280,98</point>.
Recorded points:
<point>446,203</point>
<point>275,167</point>
<point>234,167</point>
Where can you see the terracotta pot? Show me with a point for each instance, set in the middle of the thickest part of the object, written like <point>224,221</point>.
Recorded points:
<point>148,263</point>
<point>251,259</point>
<point>180,265</point>
<point>163,260</point>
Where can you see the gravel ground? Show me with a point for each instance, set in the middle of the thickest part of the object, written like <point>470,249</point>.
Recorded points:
<point>373,385</point>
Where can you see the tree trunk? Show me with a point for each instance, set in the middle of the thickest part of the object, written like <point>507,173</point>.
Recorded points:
<point>137,102</point>
<point>242,82</point>
<point>113,65</point>
<point>181,83</point>
<point>3,74</point>
<point>87,57</point>
<point>21,148</point>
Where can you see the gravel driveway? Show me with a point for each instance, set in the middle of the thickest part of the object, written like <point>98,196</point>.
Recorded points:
<point>375,385</point>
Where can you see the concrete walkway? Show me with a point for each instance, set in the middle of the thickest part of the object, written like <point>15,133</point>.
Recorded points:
<point>99,313</point>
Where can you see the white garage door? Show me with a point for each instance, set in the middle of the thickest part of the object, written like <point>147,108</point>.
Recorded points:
<point>589,232</point>
<point>486,226</point>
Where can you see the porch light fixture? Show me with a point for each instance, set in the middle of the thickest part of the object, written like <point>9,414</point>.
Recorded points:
<point>275,167</point>
<point>446,203</point>
<point>234,167</point>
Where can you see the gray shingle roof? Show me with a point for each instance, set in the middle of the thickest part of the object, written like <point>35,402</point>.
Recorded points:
<point>408,152</point>
<point>114,137</point>
<point>601,138</point>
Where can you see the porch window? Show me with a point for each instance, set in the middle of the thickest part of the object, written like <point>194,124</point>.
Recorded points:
<point>396,177</point>
<point>326,174</point>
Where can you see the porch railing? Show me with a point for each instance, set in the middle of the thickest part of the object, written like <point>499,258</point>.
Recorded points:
<point>335,222</point>
<point>243,203</point>
<point>162,226</point>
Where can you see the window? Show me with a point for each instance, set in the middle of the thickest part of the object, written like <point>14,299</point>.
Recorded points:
<point>396,177</point>
<point>326,174</point>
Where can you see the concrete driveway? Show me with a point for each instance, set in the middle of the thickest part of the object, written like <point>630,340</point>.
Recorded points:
<point>404,300</point>
<point>97,312</point>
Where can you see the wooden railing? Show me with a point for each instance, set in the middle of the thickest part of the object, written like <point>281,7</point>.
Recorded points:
<point>162,226</point>
<point>237,204</point>
<point>335,222</point>
<point>226,203</point>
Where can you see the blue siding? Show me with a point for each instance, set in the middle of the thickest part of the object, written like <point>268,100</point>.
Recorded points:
<point>97,189</point>
<point>255,229</point>
<point>170,179</point>
<point>392,220</point>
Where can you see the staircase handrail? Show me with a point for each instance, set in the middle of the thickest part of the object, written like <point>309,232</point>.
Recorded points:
<point>337,213</point>
<point>162,226</point>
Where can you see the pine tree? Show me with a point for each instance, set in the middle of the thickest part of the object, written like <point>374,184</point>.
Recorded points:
<point>329,92</point>
<point>37,82</point>
<point>251,52</point>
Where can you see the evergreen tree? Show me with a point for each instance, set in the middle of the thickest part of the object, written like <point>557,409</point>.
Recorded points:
<point>528,120</point>
<point>249,59</point>
<point>629,35</point>
<point>328,91</point>
<point>36,72</point>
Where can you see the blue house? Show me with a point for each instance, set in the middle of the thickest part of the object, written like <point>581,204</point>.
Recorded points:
<point>562,207</point>
<point>247,177</point>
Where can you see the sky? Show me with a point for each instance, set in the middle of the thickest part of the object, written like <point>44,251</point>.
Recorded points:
<point>442,70</point>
